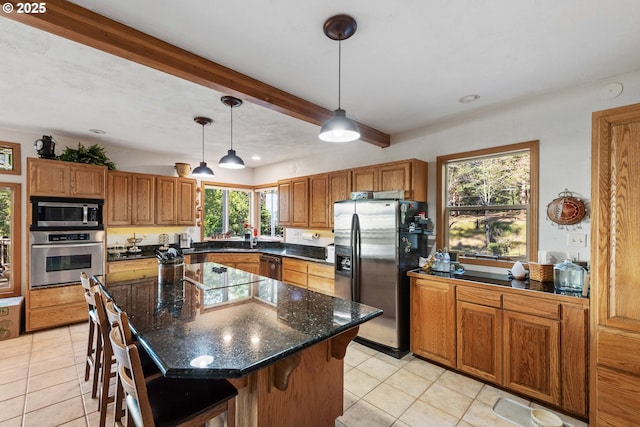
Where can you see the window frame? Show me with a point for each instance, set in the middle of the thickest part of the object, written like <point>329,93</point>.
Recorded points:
<point>532,217</point>
<point>227,187</point>
<point>14,289</point>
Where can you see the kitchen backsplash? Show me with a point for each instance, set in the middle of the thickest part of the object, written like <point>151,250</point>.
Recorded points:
<point>308,237</point>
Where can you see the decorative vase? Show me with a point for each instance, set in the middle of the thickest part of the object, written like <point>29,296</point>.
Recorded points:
<point>183,169</point>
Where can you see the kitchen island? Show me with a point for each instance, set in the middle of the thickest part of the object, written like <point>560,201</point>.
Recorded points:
<point>282,346</point>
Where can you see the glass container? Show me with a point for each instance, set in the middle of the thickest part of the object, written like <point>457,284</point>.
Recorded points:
<point>568,277</point>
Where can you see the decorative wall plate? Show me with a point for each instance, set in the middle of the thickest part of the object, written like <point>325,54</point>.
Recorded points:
<point>566,209</point>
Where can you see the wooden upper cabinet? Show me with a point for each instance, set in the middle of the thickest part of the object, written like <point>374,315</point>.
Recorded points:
<point>407,175</point>
<point>143,199</point>
<point>364,179</point>
<point>65,179</point>
<point>166,200</point>
<point>319,201</point>
<point>284,202</point>
<point>300,202</point>
<point>119,198</point>
<point>88,180</point>
<point>186,201</point>
<point>339,189</point>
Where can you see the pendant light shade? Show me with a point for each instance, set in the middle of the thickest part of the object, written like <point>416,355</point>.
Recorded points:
<point>339,128</point>
<point>231,160</point>
<point>202,171</point>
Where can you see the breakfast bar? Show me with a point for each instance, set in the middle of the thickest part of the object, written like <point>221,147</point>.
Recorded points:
<point>280,345</point>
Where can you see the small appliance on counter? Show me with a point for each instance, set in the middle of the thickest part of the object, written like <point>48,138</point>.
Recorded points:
<point>183,240</point>
<point>331,254</point>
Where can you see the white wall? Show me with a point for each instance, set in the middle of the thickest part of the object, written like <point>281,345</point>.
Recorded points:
<point>560,121</point>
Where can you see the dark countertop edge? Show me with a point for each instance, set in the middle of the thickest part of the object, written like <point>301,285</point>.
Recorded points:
<point>268,251</point>
<point>239,373</point>
<point>565,297</point>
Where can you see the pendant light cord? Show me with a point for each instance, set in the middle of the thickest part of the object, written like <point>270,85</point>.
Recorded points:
<point>203,142</point>
<point>231,106</point>
<point>339,68</point>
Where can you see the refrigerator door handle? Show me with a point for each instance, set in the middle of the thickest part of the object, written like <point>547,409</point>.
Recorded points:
<point>355,261</point>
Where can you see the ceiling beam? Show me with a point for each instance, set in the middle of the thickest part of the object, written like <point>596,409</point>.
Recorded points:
<point>81,25</point>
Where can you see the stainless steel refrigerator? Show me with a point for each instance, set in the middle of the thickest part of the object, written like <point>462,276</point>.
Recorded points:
<point>375,247</point>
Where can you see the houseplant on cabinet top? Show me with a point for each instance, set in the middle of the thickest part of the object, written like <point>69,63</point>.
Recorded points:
<point>94,155</point>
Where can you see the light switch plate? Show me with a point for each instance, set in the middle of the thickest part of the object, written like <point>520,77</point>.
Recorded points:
<point>577,240</point>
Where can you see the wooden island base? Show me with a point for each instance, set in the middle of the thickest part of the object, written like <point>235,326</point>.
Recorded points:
<point>313,381</point>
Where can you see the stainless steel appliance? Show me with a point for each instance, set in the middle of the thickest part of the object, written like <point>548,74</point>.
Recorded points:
<point>58,257</point>
<point>271,266</point>
<point>375,246</point>
<point>66,213</point>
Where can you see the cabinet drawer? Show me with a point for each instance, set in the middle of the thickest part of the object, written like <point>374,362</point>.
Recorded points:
<point>320,270</point>
<point>60,315</point>
<point>534,306</point>
<point>51,297</point>
<point>485,297</point>
<point>294,277</point>
<point>321,284</point>
<point>128,265</point>
<point>295,265</point>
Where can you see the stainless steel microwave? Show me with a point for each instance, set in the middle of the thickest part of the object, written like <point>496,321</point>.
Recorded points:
<point>66,213</point>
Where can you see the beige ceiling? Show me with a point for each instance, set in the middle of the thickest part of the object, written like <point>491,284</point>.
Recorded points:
<point>405,68</point>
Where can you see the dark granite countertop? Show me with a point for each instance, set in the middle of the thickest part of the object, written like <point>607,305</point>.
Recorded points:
<point>304,252</point>
<point>220,322</point>
<point>499,280</point>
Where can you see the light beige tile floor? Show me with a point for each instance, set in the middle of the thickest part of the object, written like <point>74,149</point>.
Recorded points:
<point>42,384</point>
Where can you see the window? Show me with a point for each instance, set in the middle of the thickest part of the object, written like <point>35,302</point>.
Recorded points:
<point>487,204</point>
<point>10,243</point>
<point>268,204</point>
<point>227,212</point>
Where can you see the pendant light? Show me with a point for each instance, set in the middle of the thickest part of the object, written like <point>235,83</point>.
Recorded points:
<point>339,128</point>
<point>203,170</point>
<point>231,160</point>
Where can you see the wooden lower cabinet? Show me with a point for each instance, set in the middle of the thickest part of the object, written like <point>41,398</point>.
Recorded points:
<point>532,356</point>
<point>480,341</point>
<point>309,275</point>
<point>50,307</point>
<point>535,345</point>
<point>249,262</point>
<point>433,321</point>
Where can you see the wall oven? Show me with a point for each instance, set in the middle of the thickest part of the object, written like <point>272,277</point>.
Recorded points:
<point>58,257</point>
<point>66,213</point>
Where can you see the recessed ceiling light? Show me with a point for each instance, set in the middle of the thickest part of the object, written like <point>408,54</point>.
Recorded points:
<point>468,98</point>
<point>255,157</point>
<point>97,131</point>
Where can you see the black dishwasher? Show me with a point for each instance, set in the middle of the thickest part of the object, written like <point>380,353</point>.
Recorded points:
<point>271,266</point>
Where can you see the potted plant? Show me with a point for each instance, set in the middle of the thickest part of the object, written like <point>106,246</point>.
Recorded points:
<point>94,155</point>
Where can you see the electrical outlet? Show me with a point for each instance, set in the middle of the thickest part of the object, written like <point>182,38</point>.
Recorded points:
<point>577,240</point>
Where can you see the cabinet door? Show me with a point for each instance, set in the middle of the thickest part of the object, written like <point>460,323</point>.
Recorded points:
<point>300,202</point>
<point>480,341</point>
<point>433,321</point>
<point>615,286</point>
<point>186,214</point>
<point>166,200</point>
<point>143,199</point>
<point>284,202</point>
<point>249,267</point>
<point>395,176</point>
<point>87,181</point>
<point>339,189</point>
<point>119,198</point>
<point>365,179</point>
<point>320,278</point>
<point>318,200</point>
<point>574,360</point>
<point>48,178</point>
<point>532,356</point>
